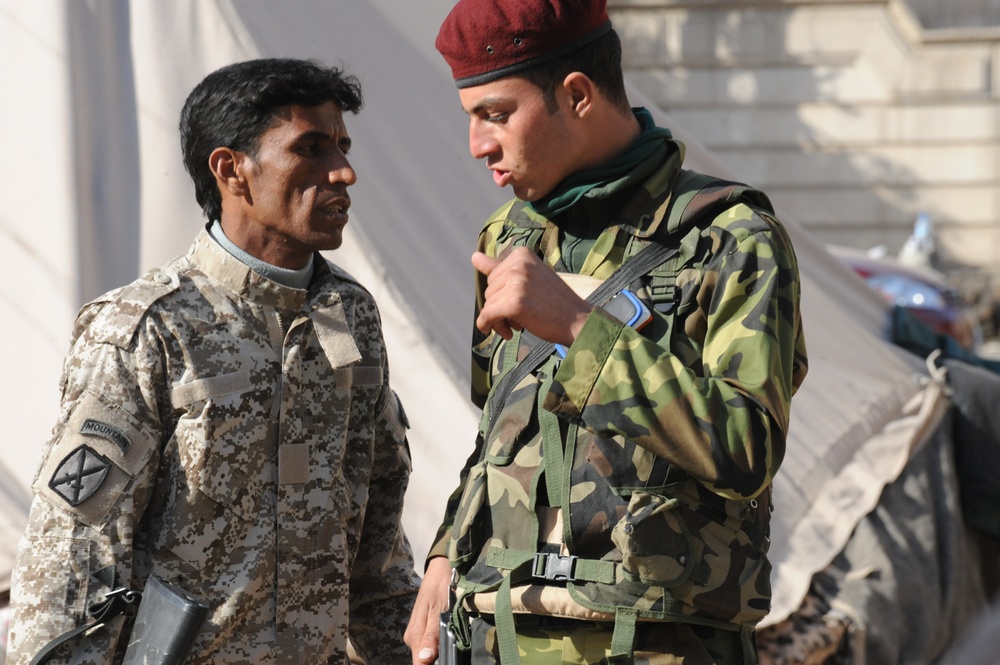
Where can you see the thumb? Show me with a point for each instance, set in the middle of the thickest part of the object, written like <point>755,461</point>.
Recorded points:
<point>429,647</point>
<point>483,263</point>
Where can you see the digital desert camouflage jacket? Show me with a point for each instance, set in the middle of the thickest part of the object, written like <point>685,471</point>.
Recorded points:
<point>238,438</point>
<point>640,465</point>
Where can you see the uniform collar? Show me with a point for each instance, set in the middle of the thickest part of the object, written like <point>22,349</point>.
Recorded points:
<point>212,259</point>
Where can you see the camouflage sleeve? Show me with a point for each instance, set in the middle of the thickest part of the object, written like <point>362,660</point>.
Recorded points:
<point>439,547</point>
<point>94,482</point>
<point>383,582</point>
<point>481,374</point>
<point>482,344</point>
<point>723,418</point>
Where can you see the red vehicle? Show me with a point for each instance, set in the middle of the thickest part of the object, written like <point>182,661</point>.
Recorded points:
<point>925,293</point>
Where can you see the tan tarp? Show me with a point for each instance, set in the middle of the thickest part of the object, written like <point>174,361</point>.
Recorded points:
<point>94,194</point>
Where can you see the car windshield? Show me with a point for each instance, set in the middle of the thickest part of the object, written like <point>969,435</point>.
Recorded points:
<point>906,292</point>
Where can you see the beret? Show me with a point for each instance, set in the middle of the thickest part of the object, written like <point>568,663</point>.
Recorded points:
<point>483,40</point>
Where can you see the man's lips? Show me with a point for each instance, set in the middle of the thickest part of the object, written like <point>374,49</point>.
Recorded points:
<point>337,208</point>
<point>339,203</point>
<point>501,178</point>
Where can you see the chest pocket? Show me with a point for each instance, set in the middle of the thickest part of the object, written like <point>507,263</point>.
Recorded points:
<point>214,467</point>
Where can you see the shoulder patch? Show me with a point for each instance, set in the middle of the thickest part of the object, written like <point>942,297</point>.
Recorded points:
<point>93,459</point>
<point>106,431</point>
<point>79,475</point>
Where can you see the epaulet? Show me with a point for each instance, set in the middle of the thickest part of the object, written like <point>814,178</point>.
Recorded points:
<point>519,214</point>
<point>514,221</point>
<point>698,196</point>
<point>114,317</point>
<point>342,274</point>
<point>513,213</point>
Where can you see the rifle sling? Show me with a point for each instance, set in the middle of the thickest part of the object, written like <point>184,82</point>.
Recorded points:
<point>112,606</point>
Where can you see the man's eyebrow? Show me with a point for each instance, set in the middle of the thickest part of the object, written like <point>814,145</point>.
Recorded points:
<point>486,102</point>
<point>313,135</point>
<point>317,135</point>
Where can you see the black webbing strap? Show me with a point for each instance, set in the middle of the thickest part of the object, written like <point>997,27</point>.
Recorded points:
<point>648,258</point>
<point>113,604</point>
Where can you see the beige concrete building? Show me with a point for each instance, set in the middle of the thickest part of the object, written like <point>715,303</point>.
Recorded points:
<point>854,115</point>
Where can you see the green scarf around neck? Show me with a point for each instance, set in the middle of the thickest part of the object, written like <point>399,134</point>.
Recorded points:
<point>599,179</point>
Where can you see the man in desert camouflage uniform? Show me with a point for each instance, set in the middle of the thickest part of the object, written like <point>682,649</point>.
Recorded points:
<point>227,422</point>
<point>616,506</point>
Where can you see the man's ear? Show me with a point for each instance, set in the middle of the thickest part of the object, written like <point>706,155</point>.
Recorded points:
<point>228,166</point>
<point>580,90</point>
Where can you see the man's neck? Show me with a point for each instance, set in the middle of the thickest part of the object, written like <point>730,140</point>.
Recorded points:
<point>614,132</point>
<point>296,279</point>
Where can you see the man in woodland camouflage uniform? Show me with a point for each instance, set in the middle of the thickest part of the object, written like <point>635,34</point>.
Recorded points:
<point>616,507</point>
<point>227,422</point>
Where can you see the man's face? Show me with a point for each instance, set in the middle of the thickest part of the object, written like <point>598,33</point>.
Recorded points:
<point>297,184</point>
<point>525,145</point>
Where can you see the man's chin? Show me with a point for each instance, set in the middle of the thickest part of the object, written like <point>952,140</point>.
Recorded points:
<point>528,195</point>
<point>523,193</point>
<point>330,241</point>
<point>332,244</point>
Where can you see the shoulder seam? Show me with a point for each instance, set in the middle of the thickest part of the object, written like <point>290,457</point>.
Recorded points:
<point>141,295</point>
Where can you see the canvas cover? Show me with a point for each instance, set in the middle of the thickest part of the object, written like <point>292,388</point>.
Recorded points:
<point>94,193</point>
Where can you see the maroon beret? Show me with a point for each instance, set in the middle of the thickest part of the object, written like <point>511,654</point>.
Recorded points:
<point>483,40</point>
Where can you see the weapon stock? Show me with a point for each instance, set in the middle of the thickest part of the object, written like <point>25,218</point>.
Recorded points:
<point>166,625</point>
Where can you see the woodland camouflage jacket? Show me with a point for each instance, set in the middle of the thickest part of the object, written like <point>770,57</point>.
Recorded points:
<point>235,437</point>
<point>646,455</point>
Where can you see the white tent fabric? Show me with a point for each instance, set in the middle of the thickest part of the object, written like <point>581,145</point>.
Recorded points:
<point>95,194</point>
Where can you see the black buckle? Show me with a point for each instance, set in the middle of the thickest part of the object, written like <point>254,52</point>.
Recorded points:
<point>114,603</point>
<point>553,567</point>
<point>128,595</point>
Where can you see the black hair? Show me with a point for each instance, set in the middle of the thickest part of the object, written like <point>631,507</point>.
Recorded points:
<point>234,105</point>
<point>600,61</point>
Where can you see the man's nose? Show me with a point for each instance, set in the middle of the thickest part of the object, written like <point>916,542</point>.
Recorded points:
<point>481,143</point>
<point>341,171</point>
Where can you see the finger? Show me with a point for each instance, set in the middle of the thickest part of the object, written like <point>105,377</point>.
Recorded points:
<point>483,263</point>
<point>421,634</point>
<point>414,630</point>
<point>502,327</point>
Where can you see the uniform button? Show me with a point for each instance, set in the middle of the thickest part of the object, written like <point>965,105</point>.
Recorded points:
<point>160,278</point>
